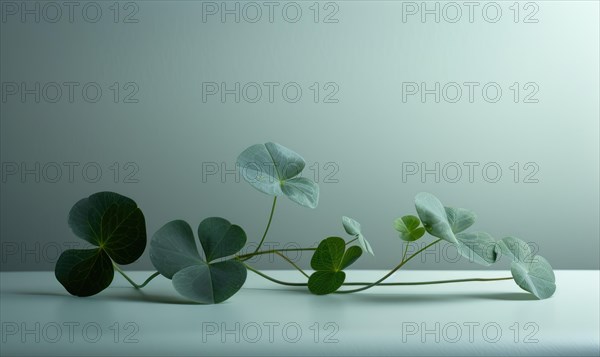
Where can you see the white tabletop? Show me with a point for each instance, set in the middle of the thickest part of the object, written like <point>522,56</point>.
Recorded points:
<point>477,318</point>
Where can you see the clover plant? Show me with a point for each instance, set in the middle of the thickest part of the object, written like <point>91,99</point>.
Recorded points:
<point>116,228</point>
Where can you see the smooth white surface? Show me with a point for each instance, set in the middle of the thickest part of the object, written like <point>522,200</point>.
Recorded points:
<point>492,318</point>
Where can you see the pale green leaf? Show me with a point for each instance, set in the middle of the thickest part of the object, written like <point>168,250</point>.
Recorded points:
<point>210,283</point>
<point>301,190</point>
<point>433,215</point>
<point>459,218</point>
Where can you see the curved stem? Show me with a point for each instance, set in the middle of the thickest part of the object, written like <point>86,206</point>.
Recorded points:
<point>405,251</point>
<point>391,271</point>
<point>351,241</point>
<point>117,268</point>
<point>148,280</point>
<point>250,255</point>
<point>273,279</point>
<point>293,264</point>
<point>435,281</point>
<point>267,228</point>
<point>381,284</point>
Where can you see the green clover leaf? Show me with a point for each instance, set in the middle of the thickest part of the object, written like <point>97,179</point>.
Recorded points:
<point>352,227</point>
<point>328,261</point>
<point>459,218</point>
<point>174,254</point>
<point>449,223</point>
<point>409,228</point>
<point>531,272</point>
<point>433,215</point>
<point>273,169</point>
<point>116,226</point>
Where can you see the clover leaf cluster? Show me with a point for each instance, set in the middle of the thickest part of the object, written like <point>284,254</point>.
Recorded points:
<point>115,226</point>
<point>215,271</point>
<point>531,272</point>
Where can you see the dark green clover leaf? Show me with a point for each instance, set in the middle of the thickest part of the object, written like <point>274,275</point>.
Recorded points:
<point>328,261</point>
<point>84,272</point>
<point>273,169</point>
<point>408,227</point>
<point>174,254</point>
<point>116,226</point>
<point>531,272</point>
<point>352,227</point>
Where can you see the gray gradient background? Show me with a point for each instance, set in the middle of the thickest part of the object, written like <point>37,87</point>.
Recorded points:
<point>368,134</point>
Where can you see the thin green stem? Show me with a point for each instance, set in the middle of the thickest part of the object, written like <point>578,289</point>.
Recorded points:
<point>250,255</point>
<point>405,251</point>
<point>435,281</point>
<point>292,263</point>
<point>404,261</point>
<point>149,279</point>
<point>267,228</point>
<point>117,268</point>
<point>381,284</point>
<point>351,241</point>
<point>273,279</point>
<point>247,256</point>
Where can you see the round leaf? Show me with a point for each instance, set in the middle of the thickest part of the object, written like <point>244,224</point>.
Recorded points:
<point>514,248</point>
<point>172,248</point>
<point>210,283</point>
<point>84,272</point>
<point>479,247</point>
<point>329,254</point>
<point>364,243</point>
<point>408,227</point>
<point>264,166</point>
<point>536,277</point>
<point>433,215</point>
<point>407,223</point>
<point>273,169</point>
<point>174,254</point>
<point>351,255</point>
<point>123,234</point>
<point>531,273</point>
<point>352,227</point>
<point>98,203</point>
<point>219,238</point>
<point>301,190</point>
<point>112,222</point>
<point>325,282</point>
<point>459,218</point>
